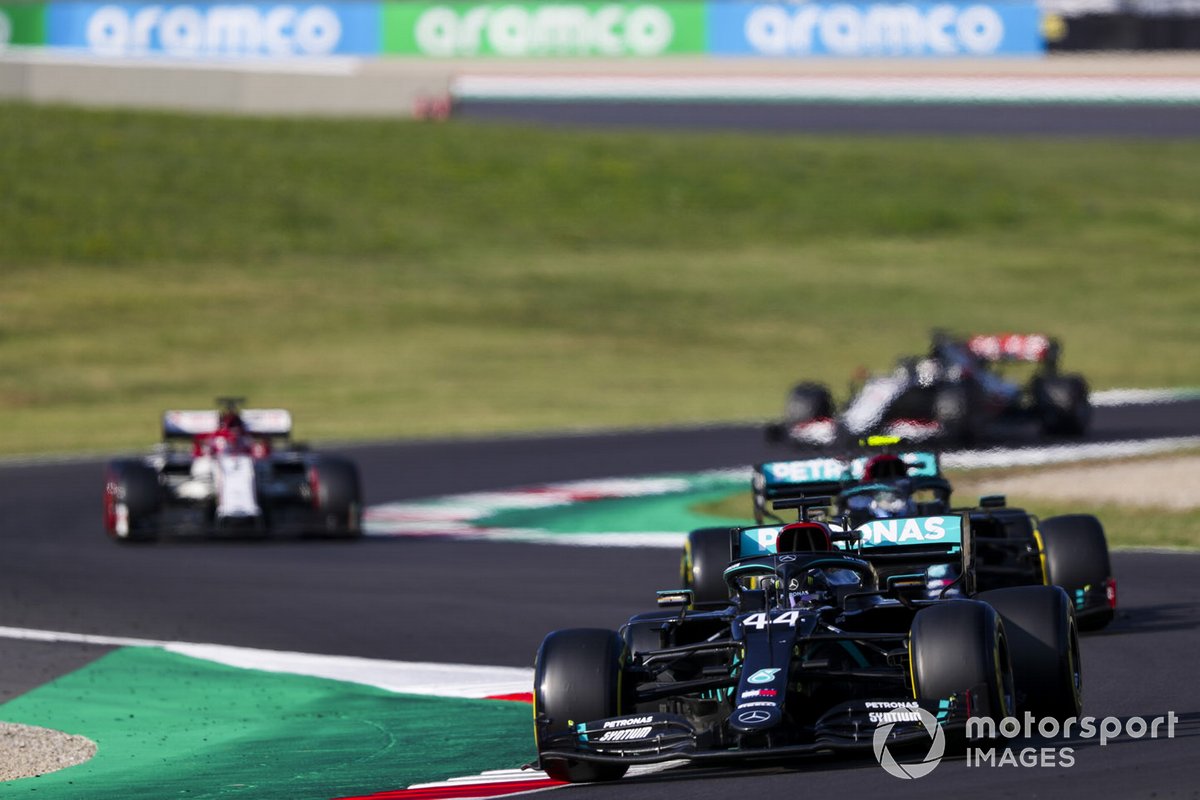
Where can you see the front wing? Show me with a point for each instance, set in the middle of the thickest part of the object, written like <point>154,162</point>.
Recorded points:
<point>848,728</point>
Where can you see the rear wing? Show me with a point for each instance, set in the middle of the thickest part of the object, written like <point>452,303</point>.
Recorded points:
<point>942,534</point>
<point>774,480</point>
<point>1032,347</point>
<point>890,545</point>
<point>901,549</point>
<point>759,540</point>
<point>258,421</point>
<point>812,476</point>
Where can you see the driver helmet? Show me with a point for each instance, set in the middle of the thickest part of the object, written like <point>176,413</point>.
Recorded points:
<point>806,589</point>
<point>817,586</point>
<point>928,372</point>
<point>230,436</point>
<point>879,502</point>
<point>883,467</point>
<point>887,503</point>
<point>891,503</point>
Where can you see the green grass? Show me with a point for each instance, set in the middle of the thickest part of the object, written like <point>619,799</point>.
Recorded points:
<point>388,278</point>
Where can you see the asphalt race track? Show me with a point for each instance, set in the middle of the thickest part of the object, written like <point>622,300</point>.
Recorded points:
<point>491,603</point>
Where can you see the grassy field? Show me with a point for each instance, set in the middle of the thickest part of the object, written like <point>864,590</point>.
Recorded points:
<point>390,279</point>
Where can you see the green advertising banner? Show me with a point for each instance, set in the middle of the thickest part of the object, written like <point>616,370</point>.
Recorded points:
<point>22,24</point>
<point>517,30</point>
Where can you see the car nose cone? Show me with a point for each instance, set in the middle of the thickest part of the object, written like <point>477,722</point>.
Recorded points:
<point>757,718</point>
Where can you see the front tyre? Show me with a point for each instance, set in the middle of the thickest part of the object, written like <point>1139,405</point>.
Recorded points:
<point>1042,640</point>
<point>576,678</point>
<point>958,646</point>
<point>337,497</point>
<point>132,501</point>
<point>807,402</point>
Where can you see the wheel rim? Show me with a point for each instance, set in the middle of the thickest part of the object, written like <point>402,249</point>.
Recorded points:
<point>1075,664</point>
<point>1004,674</point>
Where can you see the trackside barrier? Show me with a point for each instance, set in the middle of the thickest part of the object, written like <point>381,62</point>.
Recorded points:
<point>457,29</point>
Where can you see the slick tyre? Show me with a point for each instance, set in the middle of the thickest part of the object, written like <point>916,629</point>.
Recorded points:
<point>806,402</point>
<point>1076,558</point>
<point>1044,646</point>
<point>132,501</point>
<point>576,678</point>
<point>955,411</point>
<point>706,554</point>
<point>960,645</point>
<point>1062,405</point>
<point>337,498</point>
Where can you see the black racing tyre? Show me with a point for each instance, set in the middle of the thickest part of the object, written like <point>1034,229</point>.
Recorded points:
<point>958,645</point>
<point>806,402</point>
<point>1044,646</point>
<point>576,678</point>
<point>1063,406</point>
<point>338,497</point>
<point>775,432</point>
<point>955,411</point>
<point>706,555</point>
<point>1075,551</point>
<point>132,501</point>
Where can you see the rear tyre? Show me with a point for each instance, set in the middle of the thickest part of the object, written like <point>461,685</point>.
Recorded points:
<point>960,645</point>
<point>955,412</point>
<point>806,402</point>
<point>338,498</point>
<point>132,501</point>
<point>1076,558</point>
<point>576,678</point>
<point>1062,405</point>
<point>706,554</point>
<point>775,432</point>
<point>1044,646</point>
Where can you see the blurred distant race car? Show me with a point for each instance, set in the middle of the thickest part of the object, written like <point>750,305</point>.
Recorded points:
<point>1011,547</point>
<point>950,393</point>
<point>231,471</point>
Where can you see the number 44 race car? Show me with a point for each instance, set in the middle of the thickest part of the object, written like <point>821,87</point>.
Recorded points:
<point>231,471</point>
<point>825,642</point>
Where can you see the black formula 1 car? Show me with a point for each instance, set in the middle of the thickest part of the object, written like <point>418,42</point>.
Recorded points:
<point>825,642</point>
<point>231,471</point>
<point>954,393</point>
<point>1012,546</point>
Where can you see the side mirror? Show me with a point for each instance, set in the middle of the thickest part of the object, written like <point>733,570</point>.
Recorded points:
<point>669,598</point>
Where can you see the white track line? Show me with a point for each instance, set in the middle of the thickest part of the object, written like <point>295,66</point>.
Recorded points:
<point>502,776</point>
<point>1130,397</point>
<point>402,677</point>
<point>1065,453</point>
<point>1107,89</point>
